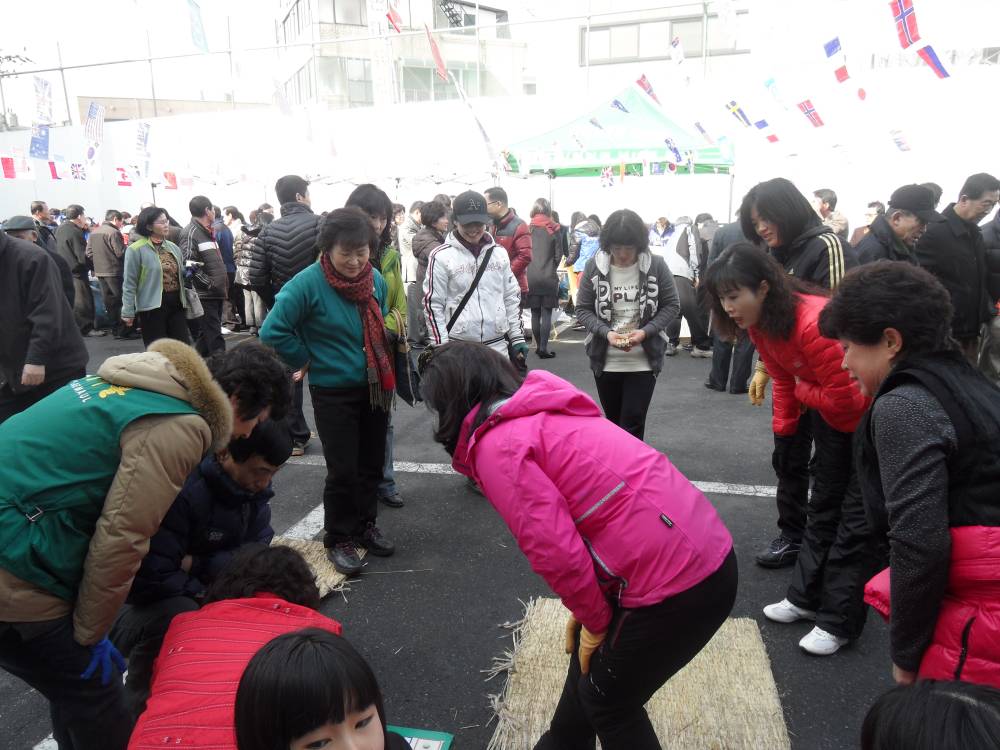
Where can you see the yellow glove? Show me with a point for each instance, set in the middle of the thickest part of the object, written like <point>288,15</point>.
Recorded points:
<point>589,642</point>
<point>758,387</point>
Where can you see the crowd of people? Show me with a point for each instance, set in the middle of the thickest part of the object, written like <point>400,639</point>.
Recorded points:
<point>882,357</point>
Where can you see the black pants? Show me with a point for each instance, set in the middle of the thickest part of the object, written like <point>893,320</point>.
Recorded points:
<point>353,435</point>
<point>295,420</point>
<point>111,291</point>
<point>84,309</point>
<point>165,322</point>
<point>837,556</point>
<point>138,633</point>
<point>541,327</point>
<point>210,339</point>
<point>14,403</point>
<point>740,355</point>
<point>416,325</point>
<point>625,398</point>
<point>236,303</point>
<point>690,311</point>
<point>790,460</point>
<point>643,649</point>
<point>85,714</point>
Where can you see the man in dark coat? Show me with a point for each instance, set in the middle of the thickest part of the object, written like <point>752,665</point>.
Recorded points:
<point>989,357</point>
<point>106,248</point>
<point>952,249</point>
<point>41,215</point>
<point>892,235</point>
<point>71,244</point>
<point>24,228</point>
<point>224,504</point>
<point>40,345</point>
<point>197,243</point>
<point>283,248</point>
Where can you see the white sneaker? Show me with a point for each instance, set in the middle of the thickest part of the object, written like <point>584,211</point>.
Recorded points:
<point>225,331</point>
<point>785,611</point>
<point>820,643</point>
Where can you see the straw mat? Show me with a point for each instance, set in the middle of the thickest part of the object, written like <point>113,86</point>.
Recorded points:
<point>725,699</point>
<point>327,578</point>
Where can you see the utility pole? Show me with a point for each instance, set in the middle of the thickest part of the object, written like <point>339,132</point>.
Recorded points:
<point>152,80</point>
<point>62,74</point>
<point>232,77</point>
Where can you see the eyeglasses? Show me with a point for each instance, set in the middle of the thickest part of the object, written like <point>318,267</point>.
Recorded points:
<point>492,203</point>
<point>424,360</point>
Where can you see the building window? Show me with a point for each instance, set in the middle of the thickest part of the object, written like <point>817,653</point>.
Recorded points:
<point>417,84</point>
<point>650,40</point>
<point>423,84</point>
<point>301,87</point>
<point>350,12</point>
<point>359,82</point>
<point>297,21</point>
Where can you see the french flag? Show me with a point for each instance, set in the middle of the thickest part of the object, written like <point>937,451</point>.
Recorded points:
<point>929,56</point>
<point>835,54</point>
<point>766,131</point>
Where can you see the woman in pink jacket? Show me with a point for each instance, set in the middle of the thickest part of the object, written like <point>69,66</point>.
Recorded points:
<point>636,553</point>
<point>751,292</point>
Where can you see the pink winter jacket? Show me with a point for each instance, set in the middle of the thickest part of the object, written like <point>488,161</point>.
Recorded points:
<point>600,515</point>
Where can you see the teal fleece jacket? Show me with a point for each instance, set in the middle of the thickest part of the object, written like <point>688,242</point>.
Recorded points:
<point>310,322</point>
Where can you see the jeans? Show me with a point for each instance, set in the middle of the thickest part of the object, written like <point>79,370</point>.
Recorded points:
<point>790,460</point>
<point>138,633</point>
<point>111,292</point>
<point>165,322</point>
<point>416,324</point>
<point>837,556</point>
<point>210,338</point>
<point>643,649</point>
<point>86,715</point>
<point>625,398</point>
<point>295,420</point>
<point>353,434</point>
<point>741,356</point>
<point>695,316</point>
<point>14,403</point>
<point>387,487</point>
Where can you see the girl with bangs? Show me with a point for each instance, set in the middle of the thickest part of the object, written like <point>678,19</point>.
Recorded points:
<point>752,295</point>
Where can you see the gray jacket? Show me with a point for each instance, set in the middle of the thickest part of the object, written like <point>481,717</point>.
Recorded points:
<point>658,305</point>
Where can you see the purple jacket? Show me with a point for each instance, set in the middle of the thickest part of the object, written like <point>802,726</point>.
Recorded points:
<point>600,515</point>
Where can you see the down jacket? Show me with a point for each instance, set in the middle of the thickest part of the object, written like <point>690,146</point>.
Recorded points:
<point>806,369</point>
<point>601,516</point>
<point>204,653</point>
<point>514,236</point>
<point>283,248</point>
<point>493,313</point>
<point>210,519</point>
<point>156,455</point>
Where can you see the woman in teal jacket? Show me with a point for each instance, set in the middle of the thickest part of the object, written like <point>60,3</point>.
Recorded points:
<point>329,320</point>
<point>153,287</point>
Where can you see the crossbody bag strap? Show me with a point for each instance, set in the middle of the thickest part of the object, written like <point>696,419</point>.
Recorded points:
<point>472,288</point>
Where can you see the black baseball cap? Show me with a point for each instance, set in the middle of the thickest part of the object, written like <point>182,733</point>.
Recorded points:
<point>916,199</point>
<point>18,223</point>
<point>470,208</point>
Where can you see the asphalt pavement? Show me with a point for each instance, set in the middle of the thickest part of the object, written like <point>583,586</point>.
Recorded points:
<point>428,619</point>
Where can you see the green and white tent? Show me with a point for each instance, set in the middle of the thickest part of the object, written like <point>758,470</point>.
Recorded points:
<point>630,134</point>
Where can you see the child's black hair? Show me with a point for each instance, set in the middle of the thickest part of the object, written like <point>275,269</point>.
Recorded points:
<point>269,439</point>
<point>299,682</point>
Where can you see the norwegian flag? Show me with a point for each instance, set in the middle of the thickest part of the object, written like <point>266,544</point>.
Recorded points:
<point>905,17</point>
<point>394,18</point>
<point>766,131</point>
<point>811,114</point>
<point>93,127</point>
<point>439,65</point>
<point>929,56</point>
<point>78,171</point>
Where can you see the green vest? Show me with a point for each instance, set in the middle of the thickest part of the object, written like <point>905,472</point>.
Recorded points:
<point>59,460</point>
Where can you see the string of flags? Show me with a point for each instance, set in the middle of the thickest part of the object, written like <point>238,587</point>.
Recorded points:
<point>835,55</point>
<point>904,15</point>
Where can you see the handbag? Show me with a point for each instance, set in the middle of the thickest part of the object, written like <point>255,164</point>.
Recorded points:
<point>194,307</point>
<point>407,378</point>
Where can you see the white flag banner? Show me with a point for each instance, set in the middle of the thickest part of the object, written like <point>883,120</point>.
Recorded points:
<point>43,101</point>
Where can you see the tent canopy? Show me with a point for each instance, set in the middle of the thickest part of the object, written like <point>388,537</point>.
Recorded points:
<point>631,130</point>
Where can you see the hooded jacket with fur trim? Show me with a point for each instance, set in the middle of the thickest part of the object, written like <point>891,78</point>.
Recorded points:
<point>156,454</point>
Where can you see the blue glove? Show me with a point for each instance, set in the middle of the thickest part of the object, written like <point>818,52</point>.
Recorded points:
<point>103,653</point>
<point>521,349</point>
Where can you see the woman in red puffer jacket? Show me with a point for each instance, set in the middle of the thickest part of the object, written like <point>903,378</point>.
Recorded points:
<point>751,292</point>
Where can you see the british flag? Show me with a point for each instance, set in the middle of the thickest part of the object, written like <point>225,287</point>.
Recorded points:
<point>906,21</point>
<point>78,171</point>
<point>810,112</point>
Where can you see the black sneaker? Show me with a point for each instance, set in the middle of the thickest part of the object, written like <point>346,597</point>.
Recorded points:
<point>713,387</point>
<point>373,541</point>
<point>345,558</point>
<point>395,500</point>
<point>780,553</point>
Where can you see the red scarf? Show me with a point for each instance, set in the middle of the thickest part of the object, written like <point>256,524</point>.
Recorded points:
<point>360,291</point>
<point>546,222</point>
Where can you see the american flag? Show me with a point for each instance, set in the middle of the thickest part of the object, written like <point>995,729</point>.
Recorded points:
<point>94,126</point>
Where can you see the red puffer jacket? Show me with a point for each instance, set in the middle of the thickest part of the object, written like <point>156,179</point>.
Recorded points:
<point>966,642</point>
<point>200,665</point>
<point>806,370</point>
